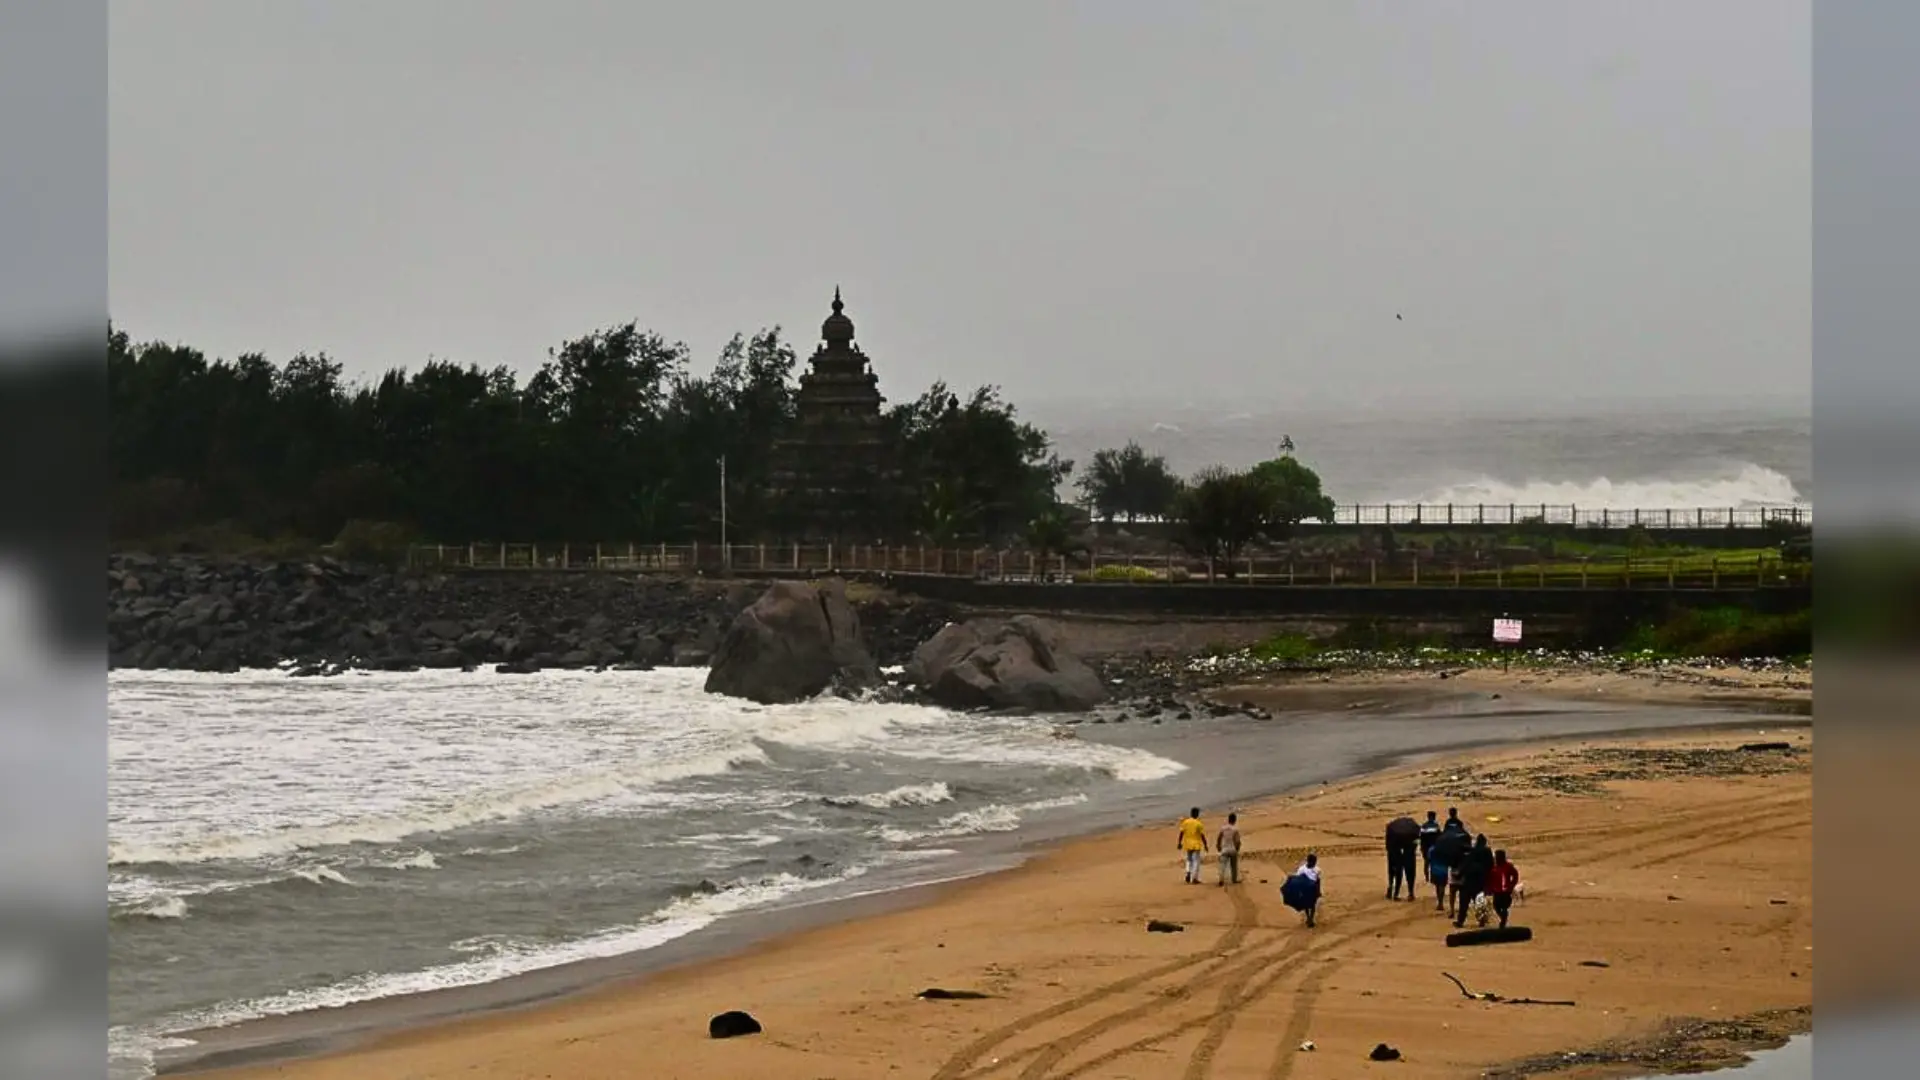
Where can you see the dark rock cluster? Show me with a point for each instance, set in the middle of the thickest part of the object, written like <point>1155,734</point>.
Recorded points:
<point>212,614</point>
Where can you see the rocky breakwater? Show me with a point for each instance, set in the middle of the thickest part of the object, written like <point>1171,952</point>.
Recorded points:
<point>211,614</point>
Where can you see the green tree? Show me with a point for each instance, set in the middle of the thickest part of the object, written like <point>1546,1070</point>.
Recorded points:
<point>1048,535</point>
<point>1128,483</point>
<point>996,472</point>
<point>1293,495</point>
<point>738,411</point>
<point>1220,513</point>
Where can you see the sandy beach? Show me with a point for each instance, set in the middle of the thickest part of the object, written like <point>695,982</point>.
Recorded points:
<point>1668,883</point>
<point>1787,689</point>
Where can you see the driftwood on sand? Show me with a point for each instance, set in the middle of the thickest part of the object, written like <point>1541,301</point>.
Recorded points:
<point>1490,996</point>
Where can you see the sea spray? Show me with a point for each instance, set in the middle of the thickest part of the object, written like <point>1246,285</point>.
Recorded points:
<point>1740,487</point>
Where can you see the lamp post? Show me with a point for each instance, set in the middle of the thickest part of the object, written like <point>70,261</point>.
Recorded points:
<point>726,553</point>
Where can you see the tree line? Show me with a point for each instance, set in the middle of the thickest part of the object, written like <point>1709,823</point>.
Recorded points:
<point>615,436</point>
<point>1218,513</point>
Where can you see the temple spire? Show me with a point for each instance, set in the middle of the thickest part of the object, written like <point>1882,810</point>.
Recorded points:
<point>838,329</point>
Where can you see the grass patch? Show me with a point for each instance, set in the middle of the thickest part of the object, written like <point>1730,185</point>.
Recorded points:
<point>1116,573</point>
<point>1716,633</point>
<point>1726,632</point>
<point>1286,649</point>
<point>1696,569</point>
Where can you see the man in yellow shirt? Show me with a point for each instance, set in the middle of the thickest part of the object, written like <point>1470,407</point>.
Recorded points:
<point>1193,841</point>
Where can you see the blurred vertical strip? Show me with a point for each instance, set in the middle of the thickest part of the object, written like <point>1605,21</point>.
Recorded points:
<point>53,325</point>
<point>1866,393</point>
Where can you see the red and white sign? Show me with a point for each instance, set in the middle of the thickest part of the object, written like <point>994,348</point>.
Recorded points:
<point>1506,631</point>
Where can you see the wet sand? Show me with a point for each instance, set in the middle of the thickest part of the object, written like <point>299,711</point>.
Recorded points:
<point>1784,690</point>
<point>1679,862</point>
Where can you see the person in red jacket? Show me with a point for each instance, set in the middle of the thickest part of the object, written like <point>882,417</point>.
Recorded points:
<point>1501,881</point>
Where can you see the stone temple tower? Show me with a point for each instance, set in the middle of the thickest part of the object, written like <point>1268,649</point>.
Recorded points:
<point>836,478</point>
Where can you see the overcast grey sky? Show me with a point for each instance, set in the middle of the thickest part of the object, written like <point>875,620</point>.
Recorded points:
<point>1107,198</point>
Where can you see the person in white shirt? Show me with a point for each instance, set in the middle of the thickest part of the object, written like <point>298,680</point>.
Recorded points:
<point>1302,889</point>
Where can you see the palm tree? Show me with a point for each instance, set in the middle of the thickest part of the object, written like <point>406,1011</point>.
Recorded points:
<point>1049,535</point>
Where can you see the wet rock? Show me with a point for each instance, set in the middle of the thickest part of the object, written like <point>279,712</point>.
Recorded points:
<point>443,629</point>
<point>1018,663</point>
<point>732,1024</point>
<point>794,642</point>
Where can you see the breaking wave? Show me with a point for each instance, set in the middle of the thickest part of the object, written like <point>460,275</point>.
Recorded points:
<point>907,795</point>
<point>1743,487</point>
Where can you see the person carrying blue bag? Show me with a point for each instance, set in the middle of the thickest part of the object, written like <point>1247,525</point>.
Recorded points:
<point>1445,859</point>
<point>1301,890</point>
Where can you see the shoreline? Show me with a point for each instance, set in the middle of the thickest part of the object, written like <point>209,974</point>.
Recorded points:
<point>252,1047</point>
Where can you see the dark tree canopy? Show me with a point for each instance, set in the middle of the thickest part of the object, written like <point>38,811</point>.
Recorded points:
<point>1128,483</point>
<point>1293,495</point>
<point>981,473</point>
<point>614,438</point>
<point>1222,511</point>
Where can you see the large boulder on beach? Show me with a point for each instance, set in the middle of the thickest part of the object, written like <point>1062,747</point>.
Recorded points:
<point>1018,663</point>
<point>796,641</point>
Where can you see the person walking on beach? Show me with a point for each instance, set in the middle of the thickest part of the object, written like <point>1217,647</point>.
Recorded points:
<point>1227,845</point>
<point>1403,840</point>
<point>1193,843</point>
<point>1501,881</point>
<point>1429,832</point>
<point>1475,869</point>
<point>1452,848</point>
<point>1443,867</point>
<point>1301,890</point>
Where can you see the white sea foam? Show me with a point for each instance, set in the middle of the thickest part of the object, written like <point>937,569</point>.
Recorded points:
<point>1743,486</point>
<point>419,860</point>
<point>730,840</point>
<point>493,958</point>
<point>905,795</point>
<point>383,758</point>
<point>131,1051</point>
<point>478,852</point>
<point>161,907</point>
<point>322,875</point>
<point>992,818</point>
<point>130,892</point>
<point>452,813</point>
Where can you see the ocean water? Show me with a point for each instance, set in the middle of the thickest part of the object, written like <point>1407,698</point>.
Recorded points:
<point>278,845</point>
<point>1612,458</point>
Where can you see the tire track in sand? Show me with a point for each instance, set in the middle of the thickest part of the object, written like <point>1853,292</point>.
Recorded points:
<point>1264,960</point>
<point>1245,918</point>
<point>1300,1021</point>
<point>1051,1053</point>
<point>1241,991</point>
